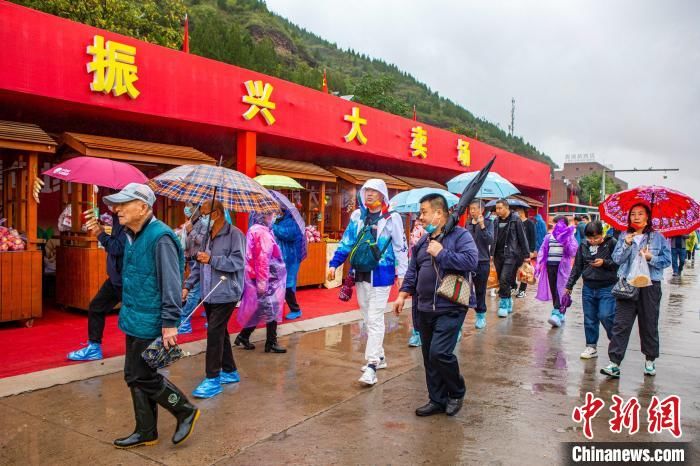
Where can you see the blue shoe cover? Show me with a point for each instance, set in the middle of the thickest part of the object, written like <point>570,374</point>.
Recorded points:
<point>92,352</point>
<point>229,377</point>
<point>208,388</point>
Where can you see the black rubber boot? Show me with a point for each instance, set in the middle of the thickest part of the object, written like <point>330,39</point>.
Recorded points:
<point>243,338</point>
<point>146,414</point>
<point>271,345</point>
<point>172,399</point>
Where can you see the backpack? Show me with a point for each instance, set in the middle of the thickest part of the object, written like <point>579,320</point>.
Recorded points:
<point>365,254</point>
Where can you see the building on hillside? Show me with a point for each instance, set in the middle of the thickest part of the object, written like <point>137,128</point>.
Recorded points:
<point>565,188</point>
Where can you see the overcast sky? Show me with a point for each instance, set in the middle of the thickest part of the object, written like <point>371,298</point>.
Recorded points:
<point>620,79</point>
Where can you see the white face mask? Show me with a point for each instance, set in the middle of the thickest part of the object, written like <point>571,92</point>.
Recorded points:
<point>205,220</point>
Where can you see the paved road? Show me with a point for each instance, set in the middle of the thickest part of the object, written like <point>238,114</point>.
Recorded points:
<point>523,378</point>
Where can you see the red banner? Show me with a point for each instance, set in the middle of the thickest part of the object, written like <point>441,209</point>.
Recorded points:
<point>47,56</point>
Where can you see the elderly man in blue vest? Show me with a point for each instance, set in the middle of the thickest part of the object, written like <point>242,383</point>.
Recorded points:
<point>152,274</point>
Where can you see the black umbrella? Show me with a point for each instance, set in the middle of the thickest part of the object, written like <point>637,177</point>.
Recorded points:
<point>511,202</point>
<point>468,196</point>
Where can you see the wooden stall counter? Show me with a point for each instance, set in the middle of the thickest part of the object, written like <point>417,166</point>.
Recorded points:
<point>81,269</point>
<point>20,286</point>
<point>312,270</point>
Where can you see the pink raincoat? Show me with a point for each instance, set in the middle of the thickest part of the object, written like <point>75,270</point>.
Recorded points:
<point>565,236</point>
<point>265,278</point>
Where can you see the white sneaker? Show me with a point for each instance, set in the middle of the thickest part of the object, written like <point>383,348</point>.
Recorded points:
<point>589,353</point>
<point>381,365</point>
<point>369,377</point>
<point>649,368</point>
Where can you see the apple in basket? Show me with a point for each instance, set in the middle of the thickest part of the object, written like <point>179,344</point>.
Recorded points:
<point>4,247</point>
<point>17,245</point>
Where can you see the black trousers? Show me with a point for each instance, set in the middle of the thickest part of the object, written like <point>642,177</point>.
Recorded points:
<point>481,278</point>
<point>219,352</point>
<point>438,333</point>
<point>137,373</point>
<point>646,307</point>
<point>290,295</point>
<point>506,271</point>
<point>552,275</point>
<point>104,301</point>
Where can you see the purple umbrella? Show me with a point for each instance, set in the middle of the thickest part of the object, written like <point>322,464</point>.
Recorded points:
<point>286,204</point>
<point>564,302</point>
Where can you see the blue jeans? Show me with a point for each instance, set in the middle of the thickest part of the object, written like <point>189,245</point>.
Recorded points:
<point>481,278</point>
<point>598,308</point>
<point>678,259</point>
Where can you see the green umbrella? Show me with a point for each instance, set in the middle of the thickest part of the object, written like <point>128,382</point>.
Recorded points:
<point>278,182</point>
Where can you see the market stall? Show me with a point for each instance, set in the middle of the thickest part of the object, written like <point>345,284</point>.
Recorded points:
<point>81,264</point>
<point>20,257</point>
<point>319,186</point>
<point>349,183</point>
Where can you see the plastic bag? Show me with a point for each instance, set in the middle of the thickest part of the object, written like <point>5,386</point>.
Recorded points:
<point>526,273</point>
<point>638,275</point>
<point>493,278</point>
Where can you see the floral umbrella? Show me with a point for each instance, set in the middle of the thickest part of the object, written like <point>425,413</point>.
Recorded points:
<point>672,212</point>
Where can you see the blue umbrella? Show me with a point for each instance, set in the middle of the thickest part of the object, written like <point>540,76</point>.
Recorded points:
<point>409,201</point>
<point>511,202</point>
<point>494,186</point>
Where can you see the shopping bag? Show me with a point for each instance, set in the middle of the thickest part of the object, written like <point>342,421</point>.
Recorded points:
<point>639,275</point>
<point>345,293</point>
<point>493,278</point>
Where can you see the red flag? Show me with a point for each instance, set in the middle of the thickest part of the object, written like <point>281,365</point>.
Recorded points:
<point>186,40</point>
<point>415,116</point>
<point>324,85</point>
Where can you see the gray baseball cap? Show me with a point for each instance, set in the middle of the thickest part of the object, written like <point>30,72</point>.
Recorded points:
<point>132,192</point>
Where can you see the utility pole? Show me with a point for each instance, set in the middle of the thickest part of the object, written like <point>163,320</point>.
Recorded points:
<point>650,169</point>
<point>511,127</point>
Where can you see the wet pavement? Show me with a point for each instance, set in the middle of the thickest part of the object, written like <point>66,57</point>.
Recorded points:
<point>305,407</point>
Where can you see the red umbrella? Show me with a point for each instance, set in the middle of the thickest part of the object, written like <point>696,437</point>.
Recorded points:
<point>95,170</point>
<point>672,212</point>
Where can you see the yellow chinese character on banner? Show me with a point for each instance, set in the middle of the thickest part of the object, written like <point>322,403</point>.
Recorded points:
<point>419,141</point>
<point>356,130</point>
<point>464,156</point>
<point>259,99</point>
<point>113,67</point>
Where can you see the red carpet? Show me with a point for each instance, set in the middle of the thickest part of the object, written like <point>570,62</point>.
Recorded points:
<point>45,345</point>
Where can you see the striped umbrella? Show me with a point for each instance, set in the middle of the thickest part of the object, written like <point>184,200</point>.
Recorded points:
<point>198,183</point>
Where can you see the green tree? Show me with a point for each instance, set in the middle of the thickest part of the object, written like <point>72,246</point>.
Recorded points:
<point>590,186</point>
<point>378,92</point>
<point>155,21</point>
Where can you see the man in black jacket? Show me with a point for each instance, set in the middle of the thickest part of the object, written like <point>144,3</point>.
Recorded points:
<point>481,230</point>
<point>530,234</point>
<point>510,250</point>
<point>110,294</point>
<point>439,319</point>
<point>594,261</point>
